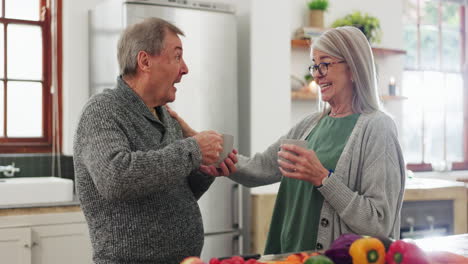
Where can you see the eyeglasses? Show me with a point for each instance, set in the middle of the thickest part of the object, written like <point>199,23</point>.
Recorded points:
<point>322,67</point>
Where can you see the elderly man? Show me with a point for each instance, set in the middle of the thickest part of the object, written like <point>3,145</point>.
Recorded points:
<point>137,177</point>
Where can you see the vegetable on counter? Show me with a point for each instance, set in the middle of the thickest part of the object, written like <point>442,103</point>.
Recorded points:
<point>401,252</point>
<point>319,259</point>
<point>234,260</point>
<point>297,258</point>
<point>367,250</point>
<point>339,249</point>
<point>231,260</point>
<point>385,241</point>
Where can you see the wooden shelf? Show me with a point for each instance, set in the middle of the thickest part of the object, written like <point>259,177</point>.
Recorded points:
<point>393,98</point>
<point>385,51</point>
<point>308,96</point>
<point>303,95</point>
<point>304,43</point>
<point>300,43</point>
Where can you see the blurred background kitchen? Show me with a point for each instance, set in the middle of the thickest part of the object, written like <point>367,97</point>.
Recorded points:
<point>45,70</point>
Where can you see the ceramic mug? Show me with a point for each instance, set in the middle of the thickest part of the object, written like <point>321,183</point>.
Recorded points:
<point>296,142</point>
<point>228,145</point>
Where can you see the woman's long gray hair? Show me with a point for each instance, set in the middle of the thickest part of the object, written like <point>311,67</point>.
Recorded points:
<point>350,44</point>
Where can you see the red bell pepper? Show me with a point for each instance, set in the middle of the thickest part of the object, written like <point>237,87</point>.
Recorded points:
<point>401,252</point>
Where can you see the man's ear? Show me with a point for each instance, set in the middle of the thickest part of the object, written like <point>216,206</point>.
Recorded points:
<point>143,61</point>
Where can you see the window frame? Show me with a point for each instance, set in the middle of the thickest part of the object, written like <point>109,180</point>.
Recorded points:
<point>45,143</point>
<point>463,165</point>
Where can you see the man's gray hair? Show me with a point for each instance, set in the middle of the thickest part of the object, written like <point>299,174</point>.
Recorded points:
<point>350,44</point>
<point>147,36</point>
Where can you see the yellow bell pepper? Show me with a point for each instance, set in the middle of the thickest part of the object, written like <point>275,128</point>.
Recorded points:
<point>367,250</point>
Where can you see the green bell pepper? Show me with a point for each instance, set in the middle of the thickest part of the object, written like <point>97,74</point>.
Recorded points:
<point>319,259</point>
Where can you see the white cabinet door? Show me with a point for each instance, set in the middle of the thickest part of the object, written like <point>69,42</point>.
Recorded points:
<point>15,245</point>
<point>58,244</point>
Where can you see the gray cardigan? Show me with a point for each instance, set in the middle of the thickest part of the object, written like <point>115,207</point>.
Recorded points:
<point>365,193</point>
<point>137,181</point>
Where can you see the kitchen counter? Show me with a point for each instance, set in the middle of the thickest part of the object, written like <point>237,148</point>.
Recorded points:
<point>41,208</point>
<point>421,189</point>
<point>457,244</point>
<point>417,189</point>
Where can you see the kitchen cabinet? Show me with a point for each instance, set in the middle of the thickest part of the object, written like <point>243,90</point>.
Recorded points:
<point>14,245</point>
<point>58,244</point>
<point>55,238</point>
<point>429,197</point>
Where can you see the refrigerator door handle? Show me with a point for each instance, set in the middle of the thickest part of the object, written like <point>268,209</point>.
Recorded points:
<point>235,206</point>
<point>235,245</point>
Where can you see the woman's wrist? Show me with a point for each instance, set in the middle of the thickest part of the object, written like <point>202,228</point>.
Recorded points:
<point>326,175</point>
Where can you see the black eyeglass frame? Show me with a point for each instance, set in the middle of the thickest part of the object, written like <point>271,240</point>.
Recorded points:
<point>321,66</point>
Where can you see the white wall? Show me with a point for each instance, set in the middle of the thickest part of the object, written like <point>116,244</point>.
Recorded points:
<point>75,65</point>
<point>270,59</point>
<point>263,73</point>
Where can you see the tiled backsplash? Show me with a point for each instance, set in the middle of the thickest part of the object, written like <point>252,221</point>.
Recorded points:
<point>37,165</point>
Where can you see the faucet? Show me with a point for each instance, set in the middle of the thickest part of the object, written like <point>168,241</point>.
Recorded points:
<point>9,170</point>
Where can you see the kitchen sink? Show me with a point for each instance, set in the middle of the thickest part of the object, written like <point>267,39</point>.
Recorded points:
<point>32,190</point>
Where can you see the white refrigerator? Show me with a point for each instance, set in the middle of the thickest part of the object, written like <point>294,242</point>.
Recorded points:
<point>207,97</point>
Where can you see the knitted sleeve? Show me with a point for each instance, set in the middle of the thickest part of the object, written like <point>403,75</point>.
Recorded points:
<point>263,168</point>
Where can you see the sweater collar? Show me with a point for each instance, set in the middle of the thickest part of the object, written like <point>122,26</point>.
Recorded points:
<point>134,101</point>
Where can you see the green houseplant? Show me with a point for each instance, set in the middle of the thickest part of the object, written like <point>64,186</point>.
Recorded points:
<point>369,25</point>
<point>316,10</point>
<point>318,5</point>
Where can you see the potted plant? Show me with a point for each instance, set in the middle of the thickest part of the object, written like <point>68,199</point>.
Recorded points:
<point>369,25</point>
<point>316,10</point>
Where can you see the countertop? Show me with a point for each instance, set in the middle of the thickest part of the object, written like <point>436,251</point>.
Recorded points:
<point>457,244</point>
<point>41,208</point>
<point>428,183</point>
<point>414,183</point>
<point>36,205</point>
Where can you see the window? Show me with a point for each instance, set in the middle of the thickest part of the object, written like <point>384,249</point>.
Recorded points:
<point>29,75</point>
<point>433,80</point>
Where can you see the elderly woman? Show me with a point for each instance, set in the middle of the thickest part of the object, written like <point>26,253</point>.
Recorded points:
<point>351,177</point>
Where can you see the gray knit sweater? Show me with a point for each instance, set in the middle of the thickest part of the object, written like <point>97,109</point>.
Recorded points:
<point>365,193</point>
<point>137,181</point>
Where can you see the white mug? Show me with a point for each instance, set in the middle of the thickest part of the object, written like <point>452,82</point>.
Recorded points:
<point>228,145</point>
<point>296,142</point>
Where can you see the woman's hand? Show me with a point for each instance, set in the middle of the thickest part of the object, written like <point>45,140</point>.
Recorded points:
<point>226,168</point>
<point>186,129</point>
<point>304,164</point>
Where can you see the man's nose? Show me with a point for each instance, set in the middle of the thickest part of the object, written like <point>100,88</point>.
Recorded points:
<point>184,70</point>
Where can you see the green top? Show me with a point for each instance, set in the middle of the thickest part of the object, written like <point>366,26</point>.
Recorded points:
<point>296,215</point>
